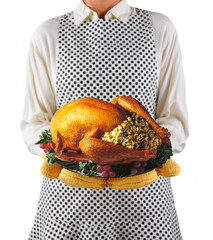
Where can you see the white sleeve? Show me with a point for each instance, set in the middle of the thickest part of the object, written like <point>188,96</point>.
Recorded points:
<point>39,103</point>
<point>171,94</point>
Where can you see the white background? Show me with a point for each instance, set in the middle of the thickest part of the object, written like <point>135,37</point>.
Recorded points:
<point>20,176</point>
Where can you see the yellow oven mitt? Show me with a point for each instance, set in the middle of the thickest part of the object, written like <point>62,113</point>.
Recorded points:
<point>170,169</point>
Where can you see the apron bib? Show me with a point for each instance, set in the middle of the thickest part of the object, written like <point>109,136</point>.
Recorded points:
<point>104,59</point>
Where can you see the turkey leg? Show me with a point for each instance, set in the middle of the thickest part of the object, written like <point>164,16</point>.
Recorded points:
<point>131,104</point>
<point>103,152</point>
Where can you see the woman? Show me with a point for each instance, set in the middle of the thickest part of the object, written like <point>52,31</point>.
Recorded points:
<point>105,49</point>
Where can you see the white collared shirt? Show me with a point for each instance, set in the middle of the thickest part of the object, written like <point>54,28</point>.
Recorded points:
<point>40,96</point>
<point>120,11</point>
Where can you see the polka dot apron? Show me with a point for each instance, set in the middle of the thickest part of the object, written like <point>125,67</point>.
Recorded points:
<point>104,59</point>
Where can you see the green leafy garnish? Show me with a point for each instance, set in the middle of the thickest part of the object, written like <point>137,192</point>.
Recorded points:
<point>81,167</point>
<point>89,168</point>
<point>67,165</point>
<point>45,137</point>
<point>164,152</point>
<point>51,156</point>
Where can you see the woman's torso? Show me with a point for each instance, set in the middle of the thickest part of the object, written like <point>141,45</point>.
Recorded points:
<point>105,59</point>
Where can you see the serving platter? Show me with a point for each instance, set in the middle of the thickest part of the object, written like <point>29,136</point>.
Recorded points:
<point>122,170</point>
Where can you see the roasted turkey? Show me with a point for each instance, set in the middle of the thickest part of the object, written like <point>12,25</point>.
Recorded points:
<point>76,129</point>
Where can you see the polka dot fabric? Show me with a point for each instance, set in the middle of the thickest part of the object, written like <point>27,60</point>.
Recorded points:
<point>104,59</point>
<point>106,214</point>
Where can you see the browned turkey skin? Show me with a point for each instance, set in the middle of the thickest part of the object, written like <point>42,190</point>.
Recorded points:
<point>77,127</point>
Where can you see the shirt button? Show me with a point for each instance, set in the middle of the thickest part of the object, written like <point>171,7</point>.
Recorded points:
<point>110,15</point>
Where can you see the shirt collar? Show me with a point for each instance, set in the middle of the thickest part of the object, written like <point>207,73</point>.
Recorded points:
<point>121,11</point>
